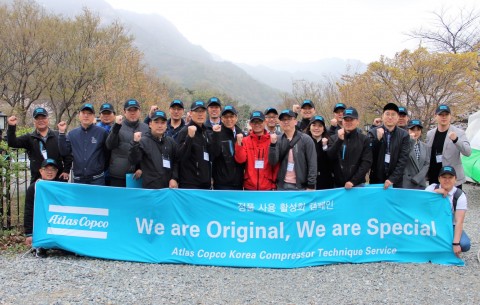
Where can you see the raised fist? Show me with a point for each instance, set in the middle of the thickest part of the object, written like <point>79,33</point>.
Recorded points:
<point>412,135</point>
<point>377,121</point>
<point>217,128</point>
<point>333,122</point>
<point>452,135</point>
<point>153,109</point>
<point>62,127</point>
<point>296,108</point>
<point>380,133</point>
<point>137,136</point>
<point>118,119</point>
<point>239,139</point>
<point>324,141</point>
<point>191,131</point>
<point>341,134</point>
<point>273,138</point>
<point>12,121</point>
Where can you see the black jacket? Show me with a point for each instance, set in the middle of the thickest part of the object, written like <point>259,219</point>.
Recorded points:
<point>195,170</point>
<point>32,143</point>
<point>226,173</point>
<point>351,157</point>
<point>324,167</point>
<point>158,159</point>
<point>29,204</point>
<point>399,150</point>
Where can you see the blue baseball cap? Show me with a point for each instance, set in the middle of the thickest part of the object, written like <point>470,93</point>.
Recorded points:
<point>131,104</point>
<point>307,103</point>
<point>402,110</point>
<point>339,106</point>
<point>318,118</point>
<point>350,112</point>
<point>159,115</point>
<point>198,104</point>
<point>39,111</point>
<point>270,110</point>
<point>177,103</point>
<point>287,112</point>
<point>49,161</point>
<point>447,170</point>
<point>87,106</point>
<point>214,101</point>
<point>257,115</point>
<point>106,107</point>
<point>229,108</point>
<point>442,108</point>
<point>414,123</point>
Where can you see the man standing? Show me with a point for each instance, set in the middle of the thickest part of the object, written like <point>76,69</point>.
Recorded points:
<point>307,110</point>
<point>157,154</point>
<point>351,153</point>
<point>390,147</point>
<point>227,174</point>
<point>447,143</point>
<point>418,159</point>
<point>195,149</point>
<point>87,145</point>
<point>337,122</point>
<point>176,122</point>
<point>271,119</point>
<point>119,141</point>
<point>107,116</point>
<point>40,144</point>
<point>214,107</point>
<point>403,118</point>
<point>296,154</point>
<point>252,151</point>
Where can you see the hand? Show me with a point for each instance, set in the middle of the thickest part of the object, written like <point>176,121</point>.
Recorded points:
<point>138,174</point>
<point>387,184</point>
<point>217,128</point>
<point>334,122</point>
<point>296,108</point>
<point>452,135</point>
<point>442,191</point>
<point>62,127</point>
<point>137,136</point>
<point>412,136</point>
<point>64,176</point>
<point>191,130</point>
<point>380,133</point>
<point>28,241</point>
<point>273,138</point>
<point>12,121</point>
<point>152,110</point>
<point>377,121</point>
<point>341,134</point>
<point>307,189</point>
<point>457,250</point>
<point>239,139</point>
<point>173,184</point>
<point>348,185</point>
<point>324,141</point>
<point>118,119</point>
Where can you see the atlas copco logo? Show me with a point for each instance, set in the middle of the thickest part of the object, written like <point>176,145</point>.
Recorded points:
<point>78,221</point>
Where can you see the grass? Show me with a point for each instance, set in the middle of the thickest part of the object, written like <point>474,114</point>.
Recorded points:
<point>12,241</point>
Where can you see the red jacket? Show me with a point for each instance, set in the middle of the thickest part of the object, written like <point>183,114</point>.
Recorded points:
<point>255,148</point>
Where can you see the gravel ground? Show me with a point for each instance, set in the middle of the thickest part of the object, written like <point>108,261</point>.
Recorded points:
<point>66,279</point>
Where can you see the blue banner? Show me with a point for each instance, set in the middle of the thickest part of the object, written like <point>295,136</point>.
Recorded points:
<point>246,229</point>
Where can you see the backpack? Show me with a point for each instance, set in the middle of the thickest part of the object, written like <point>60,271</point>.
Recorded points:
<point>456,195</point>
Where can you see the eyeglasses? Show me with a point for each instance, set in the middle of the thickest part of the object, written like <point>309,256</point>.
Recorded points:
<point>287,119</point>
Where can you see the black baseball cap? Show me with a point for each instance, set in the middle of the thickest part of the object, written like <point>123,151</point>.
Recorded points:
<point>442,108</point>
<point>159,115</point>
<point>447,170</point>
<point>198,104</point>
<point>106,107</point>
<point>414,123</point>
<point>39,111</point>
<point>402,110</point>
<point>270,110</point>
<point>229,108</point>
<point>177,103</point>
<point>287,112</point>
<point>318,118</point>
<point>214,101</point>
<point>350,112</point>
<point>131,104</point>
<point>87,106</point>
<point>339,106</point>
<point>391,106</point>
<point>49,161</point>
<point>307,103</point>
<point>257,115</point>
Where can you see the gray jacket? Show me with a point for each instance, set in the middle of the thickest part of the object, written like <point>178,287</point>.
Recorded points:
<point>416,171</point>
<point>304,155</point>
<point>451,151</point>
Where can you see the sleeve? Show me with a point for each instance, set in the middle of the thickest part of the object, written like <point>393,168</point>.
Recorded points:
<point>240,152</point>
<point>135,154</point>
<point>397,174</point>
<point>366,161</point>
<point>113,139</point>
<point>28,214</point>
<point>425,166</point>
<point>273,153</point>
<point>332,152</point>
<point>311,157</point>
<point>175,165</point>
<point>17,142</point>
<point>216,147</point>
<point>64,145</point>
<point>463,144</point>
<point>184,145</point>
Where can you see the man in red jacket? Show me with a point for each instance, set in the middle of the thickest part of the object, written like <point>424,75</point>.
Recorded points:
<point>253,151</point>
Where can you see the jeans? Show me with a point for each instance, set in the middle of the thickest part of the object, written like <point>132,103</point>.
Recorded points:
<point>464,241</point>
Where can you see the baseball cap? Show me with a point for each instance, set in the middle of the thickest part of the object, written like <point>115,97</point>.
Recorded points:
<point>339,106</point>
<point>414,123</point>
<point>159,115</point>
<point>49,161</point>
<point>270,110</point>
<point>390,106</point>
<point>350,112</point>
<point>177,102</point>
<point>307,103</point>
<point>402,110</point>
<point>87,106</point>
<point>39,111</point>
<point>214,101</point>
<point>318,118</point>
<point>447,170</point>
<point>442,108</point>
<point>198,104</point>
<point>131,104</point>
<point>257,115</point>
<point>106,107</point>
<point>287,112</point>
<point>229,108</point>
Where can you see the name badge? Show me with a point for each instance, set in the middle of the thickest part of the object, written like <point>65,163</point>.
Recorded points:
<point>387,158</point>
<point>259,163</point>
<point>166,163</point>
<point>290,167</point>
<point>44,154</point>
<point>439,158</point>
<point>206,157</point>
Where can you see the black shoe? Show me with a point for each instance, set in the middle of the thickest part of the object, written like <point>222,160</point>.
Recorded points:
<point>41,253</point>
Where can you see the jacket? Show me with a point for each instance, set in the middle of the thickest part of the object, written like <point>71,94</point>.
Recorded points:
<point>259,173</point>
<point>119,142</point>
<point>226,173</point>
<point>351,157</point>
<point>304,155</point>
<point>158,159</point>
<point>451,151</point>
<point>195,155</point>
<point>34,144</point>
<point>416,171</point>
<point>324,166</point>
<point>29,208</point>
<point>399,150</point>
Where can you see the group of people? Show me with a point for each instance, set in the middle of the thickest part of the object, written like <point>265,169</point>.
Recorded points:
<point>206,149</point>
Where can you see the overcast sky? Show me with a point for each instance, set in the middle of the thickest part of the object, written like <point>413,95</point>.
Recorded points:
<point>255,31</point>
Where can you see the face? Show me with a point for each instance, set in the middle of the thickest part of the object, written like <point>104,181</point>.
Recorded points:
<point>288,123</point>
<point>176,112</point>
<point>447,181</point>
<point>40,122</point>
<point>229,120</point>
<point>48,172</point>
<point>416,131</point>
<point>350,124</point>
<point>307,112</point>
<point>390,118</point>
<point>271,120</point>
<point>214,111</point>
<point>402,120</point>
<point>132,114</point>
<point>158,127</point>
<point>86,117</point>
<point>443,118</point>
<point>258,126</point>
<point>107,117</point>
<point>198,116</point>
<point>338,114</point>
<point>317,129</point>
